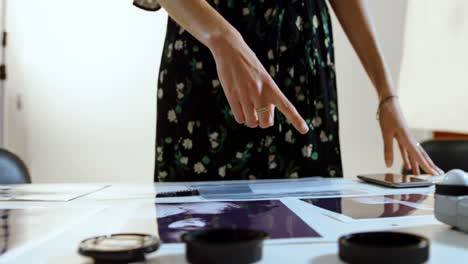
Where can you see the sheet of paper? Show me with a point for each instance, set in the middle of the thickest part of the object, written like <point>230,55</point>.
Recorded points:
<point>24,229</point>
<point>119,191</point>
<point>293,185</point>
<point>47,192</point>
<point>369,208</point>
<point>311,187</point>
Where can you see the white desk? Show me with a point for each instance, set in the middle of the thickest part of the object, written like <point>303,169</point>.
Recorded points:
<point>131,208</point>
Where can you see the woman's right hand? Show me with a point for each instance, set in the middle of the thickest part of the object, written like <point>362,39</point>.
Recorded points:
<point>247,85</point>
<point>251,92</point>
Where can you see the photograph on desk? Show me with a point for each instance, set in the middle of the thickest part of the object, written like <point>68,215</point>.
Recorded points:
<point>271,216</point>
<point>349,209</point>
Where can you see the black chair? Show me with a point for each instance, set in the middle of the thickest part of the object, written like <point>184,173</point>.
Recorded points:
<point>447,154</point>
<point>12,169</point>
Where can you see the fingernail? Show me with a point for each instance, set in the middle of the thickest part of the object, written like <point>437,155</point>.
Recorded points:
<point>388,163</point>
<point>304,127</point>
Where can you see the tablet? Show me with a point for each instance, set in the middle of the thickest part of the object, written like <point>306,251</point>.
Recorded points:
<point>396,180</point>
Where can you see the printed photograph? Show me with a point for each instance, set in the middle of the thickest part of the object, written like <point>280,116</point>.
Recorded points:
<point>270,216</point>
<point>380,206</point>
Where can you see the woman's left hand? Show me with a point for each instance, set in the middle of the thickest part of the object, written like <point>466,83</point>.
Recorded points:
<point>393,126</point>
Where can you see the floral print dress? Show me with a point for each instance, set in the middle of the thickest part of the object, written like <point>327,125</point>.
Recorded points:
<point>197,136</point>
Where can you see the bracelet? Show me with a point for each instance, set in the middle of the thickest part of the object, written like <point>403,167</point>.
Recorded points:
<point>382,102</point>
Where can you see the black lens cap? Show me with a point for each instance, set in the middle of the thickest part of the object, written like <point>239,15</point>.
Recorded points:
<point>224,245</point>
<point>451,190</point>
<point>119,247</point>
<point>383,248</point>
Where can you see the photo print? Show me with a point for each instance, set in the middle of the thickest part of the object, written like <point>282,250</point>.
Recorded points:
<point>270,216</point>
<point>378,206</point>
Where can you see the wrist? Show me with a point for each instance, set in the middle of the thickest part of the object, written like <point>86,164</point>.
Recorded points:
<point>219,39</point>
<point>385,92</point>
<point>384,88</point>
<point>383,102</point>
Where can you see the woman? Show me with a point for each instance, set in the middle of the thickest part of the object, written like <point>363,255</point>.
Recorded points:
<point>228,64</point>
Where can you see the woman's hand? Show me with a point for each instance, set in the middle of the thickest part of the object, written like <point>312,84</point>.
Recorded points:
<point>357,24</point>
<point>393,126</point>
<point>251,92</point>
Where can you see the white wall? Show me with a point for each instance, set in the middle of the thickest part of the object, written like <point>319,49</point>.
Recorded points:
<point>361,141</point>
<point>2,84</point>
<point>434,65</point>
<point>86,74</point>
<point>2,90</point>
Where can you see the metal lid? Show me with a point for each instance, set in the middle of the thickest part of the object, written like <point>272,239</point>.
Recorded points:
<point>119,247</point>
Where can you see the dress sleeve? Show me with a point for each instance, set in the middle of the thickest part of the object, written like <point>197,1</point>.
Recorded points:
<point>148,5</point>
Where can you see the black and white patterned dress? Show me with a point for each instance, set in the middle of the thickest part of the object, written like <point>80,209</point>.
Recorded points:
<point>197,137</point>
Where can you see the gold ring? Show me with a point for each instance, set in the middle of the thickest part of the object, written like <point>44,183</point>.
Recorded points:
<point>262,109</point>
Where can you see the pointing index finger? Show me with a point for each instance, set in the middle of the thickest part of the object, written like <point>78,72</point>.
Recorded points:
<point>288,109</point>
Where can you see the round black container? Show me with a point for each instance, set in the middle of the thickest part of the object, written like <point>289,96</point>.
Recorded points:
<point>236,246</point>
<point>383,248</point>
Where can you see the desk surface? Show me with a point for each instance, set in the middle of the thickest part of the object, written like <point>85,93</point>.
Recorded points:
<point>39,237</point>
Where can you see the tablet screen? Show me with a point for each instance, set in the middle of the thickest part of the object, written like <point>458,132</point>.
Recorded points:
<point>395,178</point>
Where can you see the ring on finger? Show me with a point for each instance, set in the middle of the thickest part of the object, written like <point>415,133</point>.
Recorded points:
<point>263,109</point>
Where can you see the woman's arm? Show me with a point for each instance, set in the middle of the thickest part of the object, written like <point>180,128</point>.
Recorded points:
<point>201,20</point>
<point>354,18</point>
<point>248,87</point>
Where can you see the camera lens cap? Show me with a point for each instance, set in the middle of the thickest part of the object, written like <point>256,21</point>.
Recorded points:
<point>451,190</point>
<point>224,245</point>
<point>119,247</point>
<point>383,248</point>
